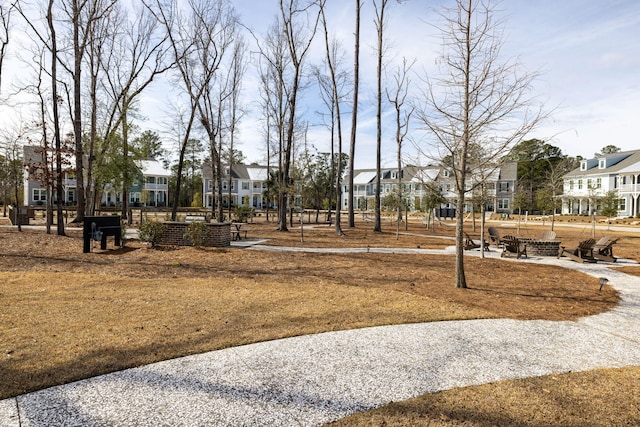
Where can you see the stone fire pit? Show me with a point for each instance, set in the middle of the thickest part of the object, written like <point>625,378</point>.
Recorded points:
<point>541,247</point>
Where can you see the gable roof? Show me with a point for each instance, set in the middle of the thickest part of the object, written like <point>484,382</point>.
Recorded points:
<point>364,177</point>
<point>622,162</point>
<point>153,167</point>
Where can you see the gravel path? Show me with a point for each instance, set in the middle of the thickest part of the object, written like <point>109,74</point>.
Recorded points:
<point>314,379</point>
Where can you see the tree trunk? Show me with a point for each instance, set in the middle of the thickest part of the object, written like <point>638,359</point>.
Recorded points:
<point>77,113</point>
<point>354,116</point>
<point>56,120</point>
<point>125,163</point>
<point>461,281</point>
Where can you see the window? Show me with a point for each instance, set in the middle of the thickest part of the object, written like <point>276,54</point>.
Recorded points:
<point>245,185</point>
<point>583,165</point>
<point>598,182</point>
<point>589,185</point>
<point>504,186</point>
<point>622,204</point>
<point>602,164</point>
<point>39,195</point>
<point>225,185</point>
<point>503,203</point>
<point>579,184</point>
<point>151,180</point>
<point>71,196</point>
<point>571,185</point>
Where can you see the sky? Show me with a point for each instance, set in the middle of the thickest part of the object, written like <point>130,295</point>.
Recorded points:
<point>587,53</point>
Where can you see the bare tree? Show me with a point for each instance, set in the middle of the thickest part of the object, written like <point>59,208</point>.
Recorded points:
<point>135,55</point>
<point>354,113</point>
<point>82,15</point>
<point>479,98</point>
<point>398,98</point>
<point>56,119</point>
<point>273,64</point>
<point>211,46</point>
<point>197,42</point>
<point>6,10</point>
<point>335,89</point>
<point>554,183</point>
<point>380,8</point>
<point>48,37</point>
<point>299,25</point>
<point>11,141</point>
<point>237,69</point>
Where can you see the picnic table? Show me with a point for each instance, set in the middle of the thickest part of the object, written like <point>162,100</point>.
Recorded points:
<point>237,228</point>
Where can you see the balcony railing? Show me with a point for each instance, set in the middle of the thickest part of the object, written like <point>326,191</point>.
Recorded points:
<point>162,187</point>
<point>629,188</point>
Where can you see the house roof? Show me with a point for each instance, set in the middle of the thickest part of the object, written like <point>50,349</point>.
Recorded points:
<point>622,162</point>
<point>509,171</point>
<point>257,173</point>
<point>364,177</point>
<point>425,175</point>
<point>632,168</point>
<point>153,168</point>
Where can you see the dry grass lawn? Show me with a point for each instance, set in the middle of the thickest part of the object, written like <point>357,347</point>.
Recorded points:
<point>68,315</point>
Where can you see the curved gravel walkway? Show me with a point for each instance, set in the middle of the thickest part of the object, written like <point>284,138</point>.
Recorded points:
<point>310,380</point>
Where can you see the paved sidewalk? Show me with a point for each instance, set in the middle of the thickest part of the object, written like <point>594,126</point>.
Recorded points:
<point>314,379</point>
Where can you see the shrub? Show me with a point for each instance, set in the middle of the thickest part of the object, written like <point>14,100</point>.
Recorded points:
<point>242,213</point>
<point>197,232</point>
<point>151,231</point>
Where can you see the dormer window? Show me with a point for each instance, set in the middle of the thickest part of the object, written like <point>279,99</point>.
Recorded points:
<point>583,165</point>
<point>446,173</point>
<point>602,164</point>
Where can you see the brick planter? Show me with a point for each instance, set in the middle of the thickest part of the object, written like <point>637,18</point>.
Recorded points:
<point>219,234</point>
<point>542,247</point>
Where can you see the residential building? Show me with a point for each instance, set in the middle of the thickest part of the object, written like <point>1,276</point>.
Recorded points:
<point>150,188</point>
<point>248,184</point>
<point>36,177</point>
<point>585,186</point>
<point>499,186</point>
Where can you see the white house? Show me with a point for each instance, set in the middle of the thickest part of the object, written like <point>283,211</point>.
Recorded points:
<point>594,178</point>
